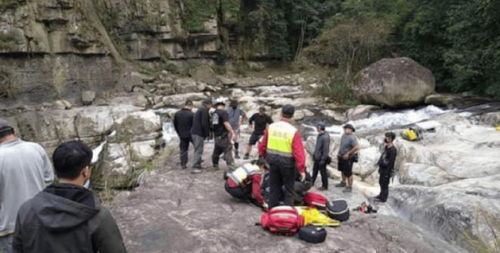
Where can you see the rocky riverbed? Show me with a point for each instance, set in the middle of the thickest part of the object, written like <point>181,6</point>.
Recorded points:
<point>445,192</point>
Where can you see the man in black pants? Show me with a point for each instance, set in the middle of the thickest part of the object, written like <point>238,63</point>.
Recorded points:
<point>183,122</point>
<point>320,156</point>
<point>223,136</point>
<point>283,149</point>
<point>386,166</point>
<point>259,121</point>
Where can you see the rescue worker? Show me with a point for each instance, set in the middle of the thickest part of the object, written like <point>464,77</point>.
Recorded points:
<point>321,152</point>
<point>259,121</point>
<point>25,169</point>
<point>245,182</point>
<point>236,118</point>
<point>183,122</point>
<point>199,132</point>
<point>386,166</point>
<point>223,136</point>
<point>300,188</point>
<point>349,147</point>
<point>284,151</point>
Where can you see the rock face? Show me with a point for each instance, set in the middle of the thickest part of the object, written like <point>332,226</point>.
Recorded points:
<point>395,82</point>
<point>128,137</point>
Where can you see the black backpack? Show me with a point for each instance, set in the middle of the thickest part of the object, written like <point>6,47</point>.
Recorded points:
<point>338,210</point>
<point>312,234</point>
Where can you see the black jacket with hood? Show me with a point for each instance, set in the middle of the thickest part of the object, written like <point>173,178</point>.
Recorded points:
<point>66,218</point>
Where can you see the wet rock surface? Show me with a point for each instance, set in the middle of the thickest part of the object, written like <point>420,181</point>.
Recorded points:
<point>175,211</point>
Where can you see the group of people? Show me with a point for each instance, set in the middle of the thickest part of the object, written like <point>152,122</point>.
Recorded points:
<point>38,214</point>
<point>213,120</point>
<point>41,214</point>
<point>283,151</point>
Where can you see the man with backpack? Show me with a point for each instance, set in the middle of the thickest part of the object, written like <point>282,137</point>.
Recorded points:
<point>321,156</point>
<point>284,151</point>
<point>236,117</point>
<point>183,122</point>
<point>65,216</point>
<point>386,166</point>
<point>349,148</point>
<point>25,169</point>
<point>199,132</point>
<point>223,135</point>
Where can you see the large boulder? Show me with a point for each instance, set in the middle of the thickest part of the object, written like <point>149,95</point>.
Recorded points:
<point>395,82</point>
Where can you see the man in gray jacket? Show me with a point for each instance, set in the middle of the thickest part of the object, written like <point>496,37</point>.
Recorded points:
<point>25,170</point>
<point>320,156</point>
<point>66,217</point>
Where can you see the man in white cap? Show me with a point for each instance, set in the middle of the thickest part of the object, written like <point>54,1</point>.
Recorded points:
<point>25,170</point>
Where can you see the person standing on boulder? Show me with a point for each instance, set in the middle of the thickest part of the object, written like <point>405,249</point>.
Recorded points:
<point>321,152</point>
<point>199,132</point>
<point>183,122</point>
<point>386,166</point>
<point>25,169</point>
<point>223,136</point>
<point>283,149</point>
<point>236,117</point>
<point>259,121</point>
<point>349,147</point>
<point>66,216</point>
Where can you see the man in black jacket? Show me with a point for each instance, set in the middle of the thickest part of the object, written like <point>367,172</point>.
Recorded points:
<point>320,156</point>
<point>386,166</point>
<point>183,122</point>
<point>66,217</point>
<point>200,131</point>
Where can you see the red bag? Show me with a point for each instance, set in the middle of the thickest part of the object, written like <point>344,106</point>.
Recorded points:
<point>282,220</point>
<point>315,199</point>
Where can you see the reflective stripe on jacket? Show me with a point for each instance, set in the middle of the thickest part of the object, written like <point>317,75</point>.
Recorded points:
<point>242,173</point>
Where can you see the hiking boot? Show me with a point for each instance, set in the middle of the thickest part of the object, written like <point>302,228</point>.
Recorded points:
<point>196,171</point>
<point>322,189</point>
<point>247,157</point>
<point>341,184</point>
<point>183,166</point>
<point>236,156</point>
<point>216,167</point>
<point>380,200</point>
<point>347,190</point>
<point>231,167</point>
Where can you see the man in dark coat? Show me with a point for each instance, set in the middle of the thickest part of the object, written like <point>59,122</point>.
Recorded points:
<point>183,122</point>
<point>320,156</point>
<point>67,217</point>
<point>386,166</point>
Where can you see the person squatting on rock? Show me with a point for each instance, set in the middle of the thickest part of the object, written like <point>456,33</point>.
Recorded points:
<point>260,121</point>
<point>349,147</point>
<point>386,166</point>
<point>199,132</point>
<point>284,151</point>
<point>223,136</point>
<point>183,122</point>
<point>321,156</point>
<point>236,118</point>
<point>65,216</point>
<point>245,182</point>
<point>25,169</point>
